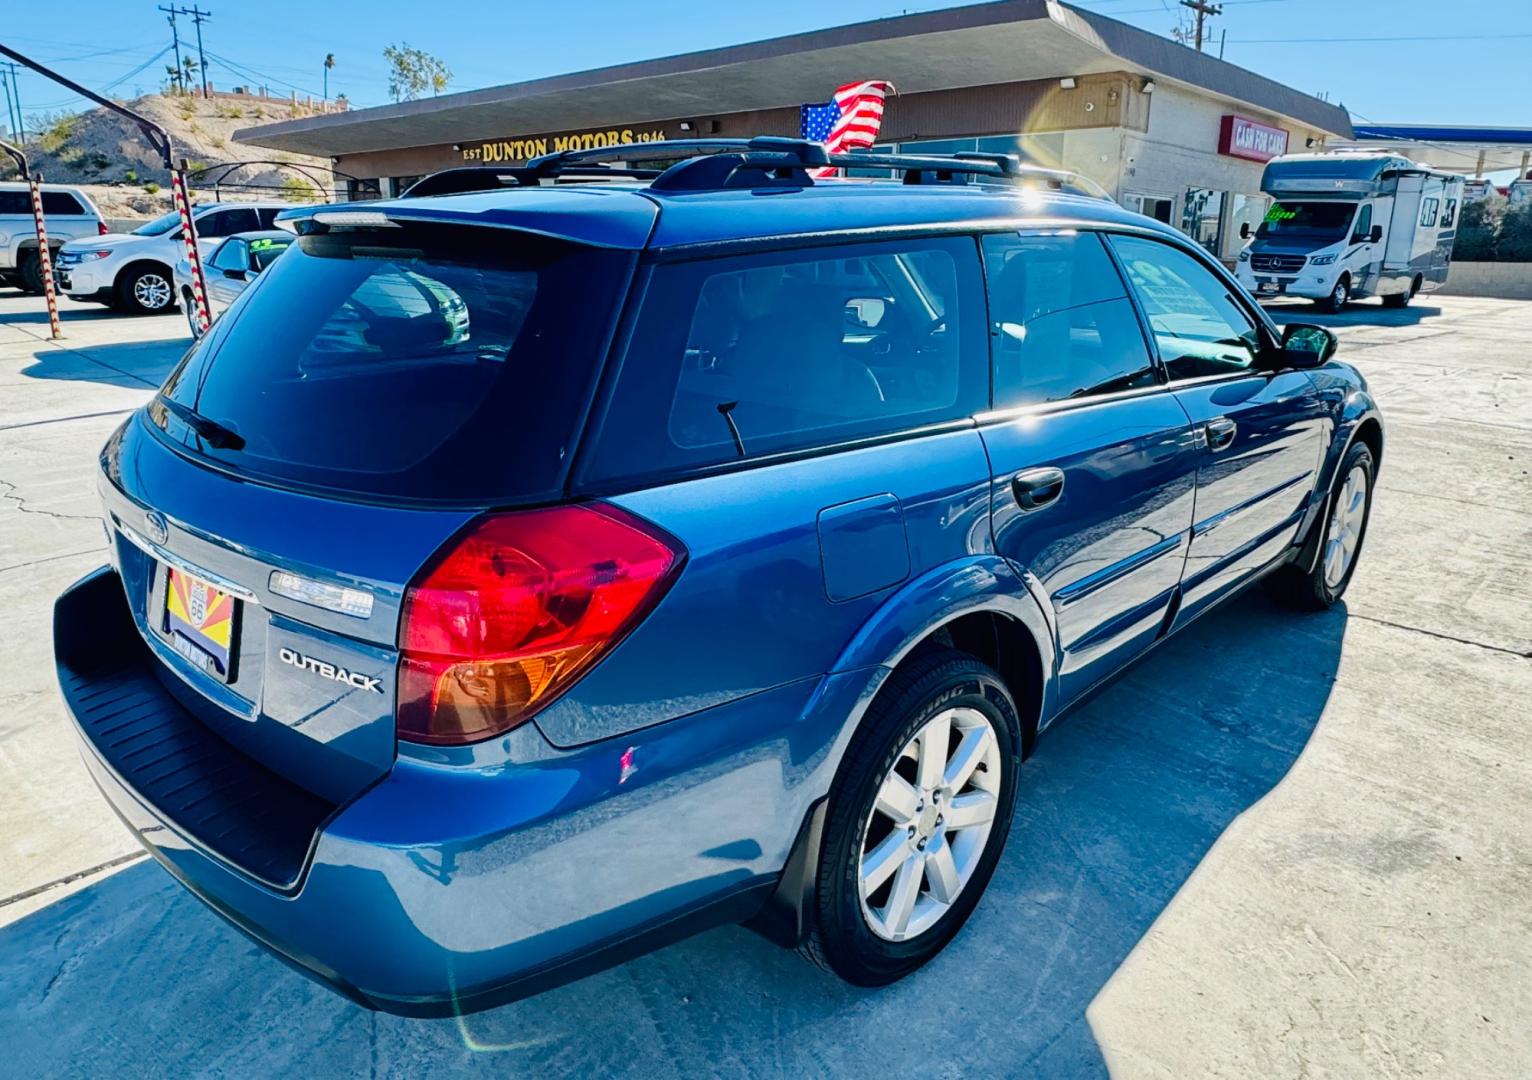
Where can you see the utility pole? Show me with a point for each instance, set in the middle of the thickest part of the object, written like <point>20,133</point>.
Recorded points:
<point>178,79</point>
<point>1203,10</point>
<point>198,16</point>
<point>13,101</point>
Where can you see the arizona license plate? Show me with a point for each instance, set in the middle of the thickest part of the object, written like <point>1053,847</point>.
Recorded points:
<point>200,622</point>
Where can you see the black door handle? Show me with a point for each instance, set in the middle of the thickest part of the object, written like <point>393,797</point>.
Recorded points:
<point>1220,433</point>
<point>1037,488</point>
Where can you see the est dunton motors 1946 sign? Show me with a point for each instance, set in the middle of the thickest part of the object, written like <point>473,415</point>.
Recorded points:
<point>522,149</point>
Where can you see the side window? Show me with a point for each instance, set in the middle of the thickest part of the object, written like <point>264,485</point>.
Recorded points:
<point>15,202</point>
<point>1363,225</point>
<point>266,216</point>
<point>213,225</point>
<point>1199,327</point>
<point>61,203</point>
<point>1450,213</point>
<point>1061,323</point>
<point>1428,212</point>
<point>740,357</point>
<point>231,256</point>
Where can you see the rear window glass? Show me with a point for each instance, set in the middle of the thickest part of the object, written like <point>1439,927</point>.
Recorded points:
<point>417,363</point>
<point>742,357</point>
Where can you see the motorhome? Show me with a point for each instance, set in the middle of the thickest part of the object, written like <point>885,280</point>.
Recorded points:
<point>1346,226</point>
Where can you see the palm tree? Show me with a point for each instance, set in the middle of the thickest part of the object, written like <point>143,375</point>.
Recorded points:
<point>329,62</point>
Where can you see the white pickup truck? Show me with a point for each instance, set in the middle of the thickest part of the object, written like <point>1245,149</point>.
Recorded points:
<point>134,272</point>
<point>68,214</point>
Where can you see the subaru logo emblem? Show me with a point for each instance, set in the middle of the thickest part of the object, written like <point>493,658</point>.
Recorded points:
<point>154,524</point>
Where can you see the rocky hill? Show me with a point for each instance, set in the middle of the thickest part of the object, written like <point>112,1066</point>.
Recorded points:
<point>107,153</point>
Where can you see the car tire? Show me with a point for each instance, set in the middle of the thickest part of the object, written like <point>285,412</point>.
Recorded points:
<point>1347,511</point>
<point>145,290</point>
<point>189,305</point>
<point>29,273</point>
<point>940,870</point>
<point>1339,296</point>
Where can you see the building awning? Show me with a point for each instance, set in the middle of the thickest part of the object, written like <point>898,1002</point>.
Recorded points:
<point>1452,147</point>
<point>1001,42</point>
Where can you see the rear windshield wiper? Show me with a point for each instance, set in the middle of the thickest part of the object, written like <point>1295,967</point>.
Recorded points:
<point>211,431</point>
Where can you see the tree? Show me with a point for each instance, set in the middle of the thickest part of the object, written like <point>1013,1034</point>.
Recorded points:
<point>411,72</point>
<point>1477,225</point>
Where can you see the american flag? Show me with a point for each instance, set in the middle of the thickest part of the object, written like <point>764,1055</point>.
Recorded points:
<point>849,121</point>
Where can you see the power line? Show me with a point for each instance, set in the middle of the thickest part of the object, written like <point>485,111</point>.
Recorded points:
<point>1366,40</point>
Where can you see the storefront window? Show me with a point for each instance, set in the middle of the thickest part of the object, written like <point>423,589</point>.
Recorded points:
<point>1202,217</point>
<point>357,190</point>
<point>1150,206</point>
<point>398,185</point>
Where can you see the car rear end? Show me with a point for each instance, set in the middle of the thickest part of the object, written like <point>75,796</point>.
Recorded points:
<point>343,577</point>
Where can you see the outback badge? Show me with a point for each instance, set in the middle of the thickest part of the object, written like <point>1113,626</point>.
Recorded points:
<point>353,679</point>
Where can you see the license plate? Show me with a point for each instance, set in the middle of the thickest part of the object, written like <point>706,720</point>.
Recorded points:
<point>1271,287</point>
<point>200,622</point>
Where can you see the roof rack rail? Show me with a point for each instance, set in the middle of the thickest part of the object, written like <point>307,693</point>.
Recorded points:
<point>764,161</point>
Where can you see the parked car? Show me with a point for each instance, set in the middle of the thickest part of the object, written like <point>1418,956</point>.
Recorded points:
<point>133,272</point>
<point>228,271</point>
<point>68,214</point>
<point>515,580</point>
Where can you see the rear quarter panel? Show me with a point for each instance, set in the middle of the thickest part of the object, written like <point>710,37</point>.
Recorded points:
<point>768,548</point>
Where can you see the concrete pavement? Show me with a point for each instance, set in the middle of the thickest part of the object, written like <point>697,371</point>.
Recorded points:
<point>1281,846</point>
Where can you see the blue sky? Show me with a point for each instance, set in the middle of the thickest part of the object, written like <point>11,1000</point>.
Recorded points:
<point>1426,61</point>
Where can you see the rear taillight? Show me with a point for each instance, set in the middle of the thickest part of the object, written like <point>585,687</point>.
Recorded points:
<point>101,229</point>
<point>516,609</point>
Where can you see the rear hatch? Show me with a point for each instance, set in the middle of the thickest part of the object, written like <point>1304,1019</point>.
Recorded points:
<point>365,399</point>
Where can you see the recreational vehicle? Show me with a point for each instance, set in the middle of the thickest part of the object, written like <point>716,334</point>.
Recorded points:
<point>1347,226</point>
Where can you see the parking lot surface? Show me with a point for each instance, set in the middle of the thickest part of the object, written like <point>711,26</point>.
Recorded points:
<point>1281,846</point>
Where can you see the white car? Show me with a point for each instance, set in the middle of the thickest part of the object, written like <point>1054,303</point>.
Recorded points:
<point>68,214</point>
<point>229,270</point>
<point>133,272</point>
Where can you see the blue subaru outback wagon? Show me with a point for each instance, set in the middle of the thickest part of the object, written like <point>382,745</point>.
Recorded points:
<point>523,573</point>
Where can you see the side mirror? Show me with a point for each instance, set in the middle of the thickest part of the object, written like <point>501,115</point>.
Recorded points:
<point>1306,346</point>
<point>1376,234</point>
<point>235,275</point>
<point>1244,230</point>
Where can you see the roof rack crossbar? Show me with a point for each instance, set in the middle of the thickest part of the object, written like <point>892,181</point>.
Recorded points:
<point>710,164</point>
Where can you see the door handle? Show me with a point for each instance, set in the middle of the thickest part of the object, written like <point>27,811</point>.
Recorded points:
<point>1037,488</point>
<point>1219,433</point>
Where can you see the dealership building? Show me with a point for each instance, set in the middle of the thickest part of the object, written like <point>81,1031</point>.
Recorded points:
<point>1167,130</point>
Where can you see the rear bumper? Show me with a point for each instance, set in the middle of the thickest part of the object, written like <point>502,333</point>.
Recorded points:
<point>448,889</point>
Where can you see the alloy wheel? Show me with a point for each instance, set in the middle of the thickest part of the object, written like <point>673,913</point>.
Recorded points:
<point>151,291</point>
<point>1345,528</point>
<point>929,824</point>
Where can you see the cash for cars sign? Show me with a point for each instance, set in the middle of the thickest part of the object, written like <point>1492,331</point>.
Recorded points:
<point>1242,137</point>
<point>513,150</point>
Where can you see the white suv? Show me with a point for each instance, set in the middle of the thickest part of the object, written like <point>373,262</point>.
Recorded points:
<point>68,214</point>
<point>132,271</point>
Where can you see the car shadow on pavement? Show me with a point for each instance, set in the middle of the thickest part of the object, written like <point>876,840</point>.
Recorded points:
<point>1360,313</point>
<point>1121,801</point>
<point>138,365</point>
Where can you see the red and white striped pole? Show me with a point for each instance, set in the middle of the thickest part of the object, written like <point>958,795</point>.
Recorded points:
<point>189,235</point>
<point>45,259</point>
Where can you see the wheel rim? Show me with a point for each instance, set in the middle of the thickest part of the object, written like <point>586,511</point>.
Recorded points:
<point>190,307</point>
<point>929,824</point>
<point>1339,297</point>
<point>152,291</point>
<point>1345,531</point>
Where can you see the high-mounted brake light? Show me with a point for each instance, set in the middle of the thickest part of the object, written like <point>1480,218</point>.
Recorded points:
<point>516,609</point>
<point>101,229</point>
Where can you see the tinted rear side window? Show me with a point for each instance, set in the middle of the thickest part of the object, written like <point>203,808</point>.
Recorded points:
<point>61,203</point>
<point>417,363</point>
<point>1062,323</point>
<point>741,357</point>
